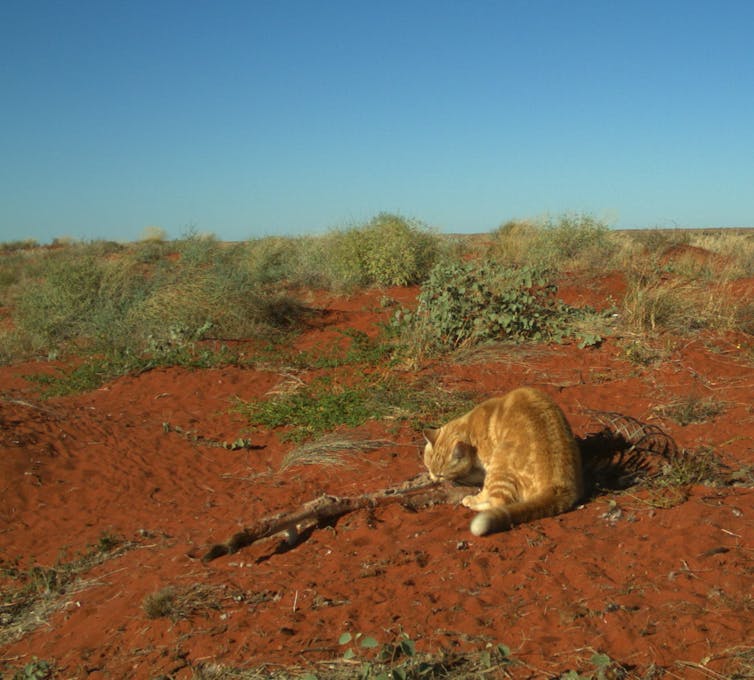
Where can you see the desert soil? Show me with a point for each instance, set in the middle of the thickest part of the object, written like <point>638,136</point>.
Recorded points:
<point>662,583</point>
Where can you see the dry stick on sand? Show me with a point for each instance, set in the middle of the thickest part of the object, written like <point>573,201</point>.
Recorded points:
<point>639,442</point>
<point>417,492</point>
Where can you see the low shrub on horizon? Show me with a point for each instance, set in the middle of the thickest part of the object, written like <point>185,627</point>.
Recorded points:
<point>390,250</point>
<point>571,241</point>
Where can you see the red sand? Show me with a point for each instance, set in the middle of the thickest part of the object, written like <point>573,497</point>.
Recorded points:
<point>670,588</point>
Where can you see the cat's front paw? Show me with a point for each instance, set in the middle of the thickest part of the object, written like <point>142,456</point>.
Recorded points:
<point>478,502</point>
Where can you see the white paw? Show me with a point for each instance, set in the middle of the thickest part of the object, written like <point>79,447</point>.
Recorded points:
<point>475,503</point>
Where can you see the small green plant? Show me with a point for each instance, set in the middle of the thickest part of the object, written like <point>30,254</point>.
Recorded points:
<point>36,669</point>
<point>314,409</point>
<point>360,350</point>
<point>701,466</point>
<point>362,641</point>
<point>604,669</point>
<point>324,405</point>
<point>399,660</point>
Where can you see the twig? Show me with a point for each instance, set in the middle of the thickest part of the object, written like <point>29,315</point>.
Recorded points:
<point>417,492</point>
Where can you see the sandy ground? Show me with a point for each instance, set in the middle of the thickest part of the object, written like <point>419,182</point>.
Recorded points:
<point>662,584</point>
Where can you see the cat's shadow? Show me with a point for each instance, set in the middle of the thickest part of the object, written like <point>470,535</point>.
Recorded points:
<point>622,454</point>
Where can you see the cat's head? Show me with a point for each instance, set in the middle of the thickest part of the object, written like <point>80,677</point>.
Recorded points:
<point>446,456</point>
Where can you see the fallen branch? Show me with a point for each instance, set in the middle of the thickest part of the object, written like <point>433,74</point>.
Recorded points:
<point>417,492</point>
<point>613,458</point>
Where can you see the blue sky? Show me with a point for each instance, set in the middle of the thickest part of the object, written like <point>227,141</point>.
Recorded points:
<point>288,117</point>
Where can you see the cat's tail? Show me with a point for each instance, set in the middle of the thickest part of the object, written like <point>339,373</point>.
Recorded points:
<point>504,517</point>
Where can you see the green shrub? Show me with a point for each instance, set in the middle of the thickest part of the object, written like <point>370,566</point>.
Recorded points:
<point>388,251</point>
<point>397,252</point>
<point>341,258</point>
<point>467,303</point>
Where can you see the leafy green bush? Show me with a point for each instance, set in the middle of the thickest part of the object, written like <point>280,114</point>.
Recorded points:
<point>467,303</point>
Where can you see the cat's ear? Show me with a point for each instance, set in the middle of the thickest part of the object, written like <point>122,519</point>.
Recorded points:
<point>431,435</point>
<point>460,451</point>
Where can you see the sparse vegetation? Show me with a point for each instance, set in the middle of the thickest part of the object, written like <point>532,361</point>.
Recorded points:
<point>123,315</point>
<point>41,590</point>
<point>316,408</point>
<point>177,603</point>
<point>702,466</point>
<point>103,309</point>
<point>656,303</point>
<point>326,404</point>
<point>690,409</point>
<point>399,660</point>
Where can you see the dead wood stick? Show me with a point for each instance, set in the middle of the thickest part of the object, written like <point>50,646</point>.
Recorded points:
<point>417,492</point>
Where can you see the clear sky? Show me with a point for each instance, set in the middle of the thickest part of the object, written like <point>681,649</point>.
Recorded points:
<point>256,117</point>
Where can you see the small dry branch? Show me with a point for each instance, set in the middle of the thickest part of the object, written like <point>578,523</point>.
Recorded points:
<point>417,492</point>
<point>625,451</point>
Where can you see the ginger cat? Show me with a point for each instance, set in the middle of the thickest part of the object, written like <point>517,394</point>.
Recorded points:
<point>521,448</point>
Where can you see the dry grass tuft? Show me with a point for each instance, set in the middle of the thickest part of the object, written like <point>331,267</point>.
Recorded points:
<point>331,450</point>
<point>690,409</point>
<point>654,302</point>
<point>176,603</point>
